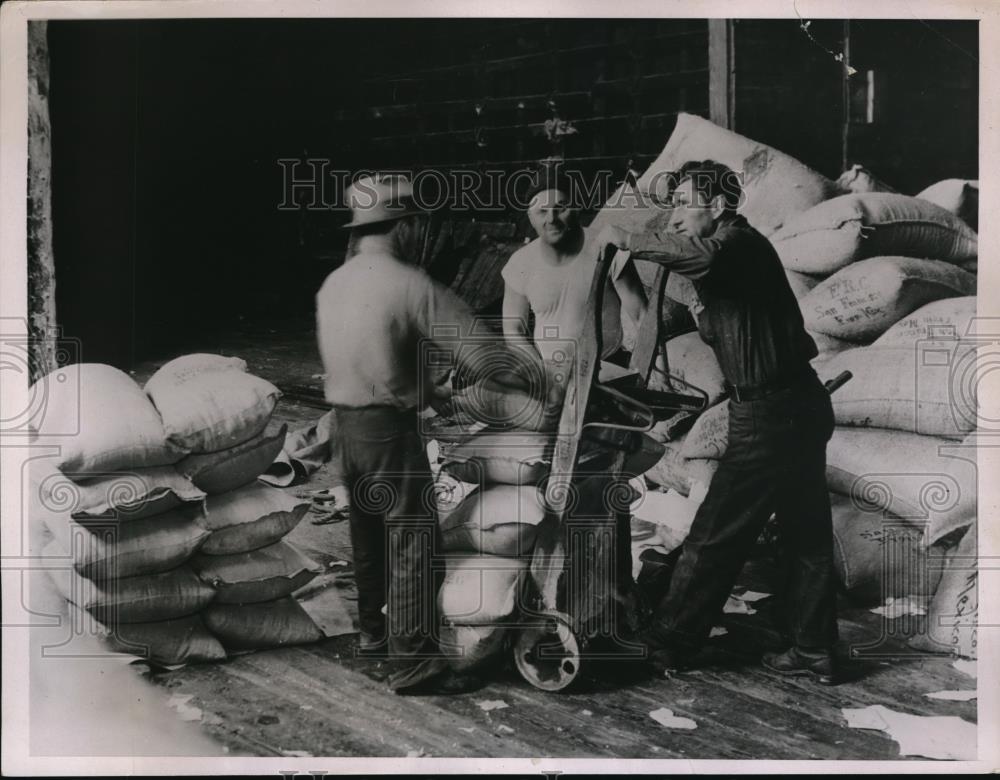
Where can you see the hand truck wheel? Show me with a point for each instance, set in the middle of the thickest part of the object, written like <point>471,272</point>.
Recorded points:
<point>548,654</point>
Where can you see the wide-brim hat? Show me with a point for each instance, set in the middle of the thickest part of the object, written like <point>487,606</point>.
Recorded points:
<point>380,199</point>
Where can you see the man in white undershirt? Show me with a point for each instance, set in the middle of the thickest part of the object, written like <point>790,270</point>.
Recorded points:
<point>551,277</point>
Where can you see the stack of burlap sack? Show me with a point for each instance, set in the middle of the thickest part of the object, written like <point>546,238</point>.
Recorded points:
<point>887,288</point>
<point>169,541</point>
<point>489,507</point>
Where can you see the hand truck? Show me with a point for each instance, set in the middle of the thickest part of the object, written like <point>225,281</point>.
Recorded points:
<point>580,589</point>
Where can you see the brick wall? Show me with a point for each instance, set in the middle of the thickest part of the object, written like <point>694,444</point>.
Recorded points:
<point>477,94</point>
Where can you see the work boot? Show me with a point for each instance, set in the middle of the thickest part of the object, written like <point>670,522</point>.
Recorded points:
<point>430,677</point>
<point>371,646</point>
<point>666,662</point>
<point>821,665</point>
<point>448,683</point>
<point>663,654</point>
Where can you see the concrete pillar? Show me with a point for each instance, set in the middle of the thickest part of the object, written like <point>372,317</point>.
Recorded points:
<point>41,265</point>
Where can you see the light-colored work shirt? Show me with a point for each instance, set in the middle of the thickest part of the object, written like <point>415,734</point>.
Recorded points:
<point>372,314</point>
<point>558,294</point>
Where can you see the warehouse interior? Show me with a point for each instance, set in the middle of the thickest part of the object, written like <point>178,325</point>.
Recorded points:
<point>174,230</point>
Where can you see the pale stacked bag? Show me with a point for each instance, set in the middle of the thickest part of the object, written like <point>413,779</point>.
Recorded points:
<point>170,543</point>
<point>489,509</point>
<point>245,558</point>
<point>120,515</point>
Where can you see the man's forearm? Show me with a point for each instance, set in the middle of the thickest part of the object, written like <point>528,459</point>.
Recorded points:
<point>691,257</point>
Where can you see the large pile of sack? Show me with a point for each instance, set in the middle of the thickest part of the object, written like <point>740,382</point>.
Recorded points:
<point>886,284</point>
<point>170,543</point>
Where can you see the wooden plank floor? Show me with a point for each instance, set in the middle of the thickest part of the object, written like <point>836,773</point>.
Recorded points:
<point>321,699</point>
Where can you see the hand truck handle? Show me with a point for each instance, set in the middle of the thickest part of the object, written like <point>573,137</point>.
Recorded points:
<point>832,385</point>
<point>640,408</point>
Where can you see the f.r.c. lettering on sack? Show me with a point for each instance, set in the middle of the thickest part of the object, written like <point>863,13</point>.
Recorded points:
<point>862,301</point>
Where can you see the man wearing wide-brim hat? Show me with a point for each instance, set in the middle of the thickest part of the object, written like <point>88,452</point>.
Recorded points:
<point>380,199</point>
<point>372,314</point>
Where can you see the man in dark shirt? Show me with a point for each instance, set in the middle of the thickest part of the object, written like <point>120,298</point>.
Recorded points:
<point>780,419</point>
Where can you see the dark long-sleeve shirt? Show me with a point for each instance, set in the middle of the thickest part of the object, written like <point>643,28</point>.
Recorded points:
<point>750,318</point>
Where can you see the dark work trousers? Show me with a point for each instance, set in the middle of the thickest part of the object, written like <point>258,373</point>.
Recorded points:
<point>776,462</point>
<point>394,530</point>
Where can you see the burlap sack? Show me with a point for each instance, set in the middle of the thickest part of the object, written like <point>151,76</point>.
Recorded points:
<point>862,301</point>
<point>250,517</point>
<point>878,556</point>
<point>143,599</point>
<point>130,549</point>
<point>208,403</point>
<point>857,226</point>
<point>801,284</point>
<point>709,436</point>
<point>122,495</point>
<point>776,186</point>
<point>508,458</point>
<point>952,617</point>
<point>928,392</point>
<point>225,470</point>
<point>921,479</point>
<point>268,624</point>
<point>166,642</point>
<point>480,590</point>
<point>498,520</point>
<point>269,573</point>
<point>680,473</point>
<point>692,361</point>
<point>943,320</point>
<point>101,421</point>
